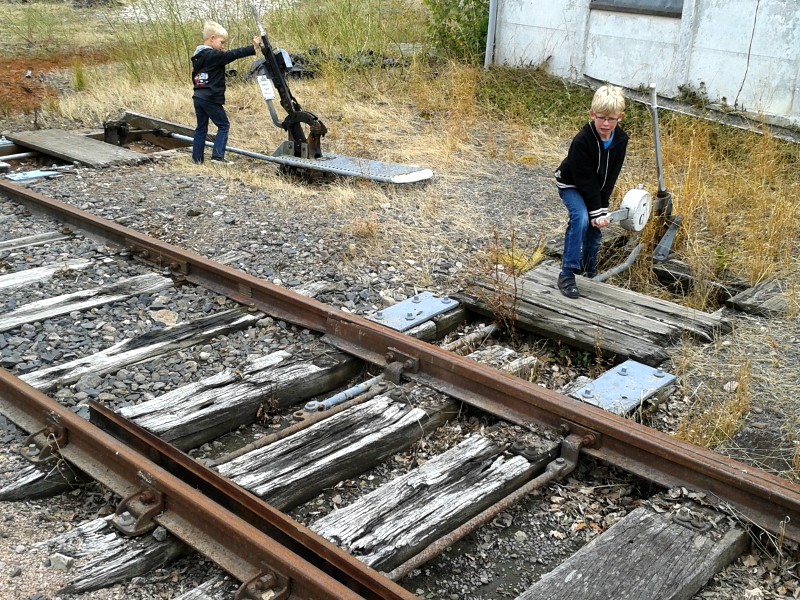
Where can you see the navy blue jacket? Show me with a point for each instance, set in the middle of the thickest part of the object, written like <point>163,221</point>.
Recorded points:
<point>208,71</point>
<point>591,169</point>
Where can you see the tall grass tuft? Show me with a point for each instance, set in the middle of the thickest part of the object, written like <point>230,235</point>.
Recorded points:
<point>78,75</point>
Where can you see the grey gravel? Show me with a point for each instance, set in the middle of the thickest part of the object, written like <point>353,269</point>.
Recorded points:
<point>214,216</point>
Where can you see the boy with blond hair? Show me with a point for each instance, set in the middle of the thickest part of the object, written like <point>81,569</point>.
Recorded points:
<point>585,180</point>
<point>208,78</point>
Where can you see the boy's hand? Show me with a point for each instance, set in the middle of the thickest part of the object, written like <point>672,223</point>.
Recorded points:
<point>601,222</point>
<point>257,43</point>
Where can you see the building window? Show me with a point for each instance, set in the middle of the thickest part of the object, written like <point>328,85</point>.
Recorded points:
<point>662,8</point>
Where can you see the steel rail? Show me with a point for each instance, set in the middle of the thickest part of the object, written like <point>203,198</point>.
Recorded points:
<point>235,529</point>
<point>768,501</point>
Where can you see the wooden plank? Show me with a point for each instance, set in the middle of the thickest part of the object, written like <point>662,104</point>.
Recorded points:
<point>401,518</point>
<point>19,279</point>
<point>768,299</point>
<point>73,147</point>
<point>31,482</point>
<point>605,318</point>
<point>104,557</point>
<point>299,467</point>
<point>678,276</point>
<point>221,587</point>
<point>199,412</point>
<point>33,240</point>
<point>698,323</point>
<point>135,350</point>
<point>142,121</point>
<point>582,324</point>
<point>83,299</point>
<point>645,555</point>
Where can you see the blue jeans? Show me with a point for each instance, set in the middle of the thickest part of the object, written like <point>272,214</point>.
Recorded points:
<point>581,240</point>
<point>204,111</point>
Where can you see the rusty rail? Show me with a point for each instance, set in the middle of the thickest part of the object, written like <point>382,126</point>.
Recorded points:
<point>769,501</point>
<point>250,540</point>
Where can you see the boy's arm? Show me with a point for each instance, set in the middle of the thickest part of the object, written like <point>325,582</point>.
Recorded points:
<point>219,59</point>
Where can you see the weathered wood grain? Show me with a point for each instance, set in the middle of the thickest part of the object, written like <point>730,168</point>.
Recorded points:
<point>33,482</point>
<point>83,299</point>
<point>768,298</point>
<point>18,279</point>
<point>104,557</point>
<point>605,318</point>
<point>645,555</point>
<point>221,587</point>
<point>33,240</point>
<point>132,351</point>
<point>74,147</point>
<point>202,411</point>
<point>395,522</point>
<point>547,316</point>
<point>696,322</point>
<point>297,468</point>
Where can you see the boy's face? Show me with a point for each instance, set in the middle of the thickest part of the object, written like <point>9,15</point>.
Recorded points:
<point>605,124</point>
<point>218,42</point>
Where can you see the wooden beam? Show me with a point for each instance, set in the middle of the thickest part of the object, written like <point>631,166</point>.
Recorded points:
<point>645,555</point>
<point>83,299</point>
<point>401,518</point>
<point>199,412</point>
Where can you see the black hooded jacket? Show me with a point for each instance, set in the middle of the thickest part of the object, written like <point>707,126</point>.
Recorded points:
<point>591,169</point>
<point>208,71</point>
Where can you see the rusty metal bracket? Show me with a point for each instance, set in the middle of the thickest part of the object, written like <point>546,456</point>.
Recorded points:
<point>134,515</point>
<point>267,585</point>
<point>591,438</point>
<point>43,446</point>
<point>397,363</point>
<point>155,256</point>
<point>685,518</point>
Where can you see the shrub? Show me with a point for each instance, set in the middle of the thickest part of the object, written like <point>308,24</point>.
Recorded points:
<point>458,27</point>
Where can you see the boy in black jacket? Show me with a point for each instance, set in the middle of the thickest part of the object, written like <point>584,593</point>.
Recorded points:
<point>585,180</point>
<point>208,76</point>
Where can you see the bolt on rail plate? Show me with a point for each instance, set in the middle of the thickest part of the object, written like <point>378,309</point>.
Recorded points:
<point>413,311</point>
<point>624,387</point>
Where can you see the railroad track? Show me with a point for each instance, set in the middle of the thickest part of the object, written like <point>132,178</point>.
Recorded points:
<point>410,393</point>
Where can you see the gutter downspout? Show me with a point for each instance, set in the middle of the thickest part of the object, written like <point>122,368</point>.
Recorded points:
<point>488,58</point>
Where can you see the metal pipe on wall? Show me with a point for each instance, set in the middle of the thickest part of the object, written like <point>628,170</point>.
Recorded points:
<point>489,56</point>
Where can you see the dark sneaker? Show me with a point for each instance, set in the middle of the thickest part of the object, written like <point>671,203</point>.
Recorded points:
<point>566,283</point>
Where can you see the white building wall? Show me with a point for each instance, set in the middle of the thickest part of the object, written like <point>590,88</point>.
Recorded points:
<point>735,51</point>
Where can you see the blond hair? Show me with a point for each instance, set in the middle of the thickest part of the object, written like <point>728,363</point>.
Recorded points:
<point>212,28</point>
<point>608,100</point>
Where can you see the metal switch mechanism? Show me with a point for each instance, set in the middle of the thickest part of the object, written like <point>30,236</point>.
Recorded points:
<point>635,210</point>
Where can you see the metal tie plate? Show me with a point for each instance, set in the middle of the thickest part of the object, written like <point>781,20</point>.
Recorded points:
<point>413,311</point>
<point>625,387</point>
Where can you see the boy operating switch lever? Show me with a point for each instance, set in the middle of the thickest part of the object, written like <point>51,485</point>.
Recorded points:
<point>585,180</point>
<point>208,78</point>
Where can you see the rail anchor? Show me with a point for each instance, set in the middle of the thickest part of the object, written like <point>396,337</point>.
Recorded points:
<point>266,585</point>
<point>43,446</point>
<point>134,515</point>
<point>397,363</point>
